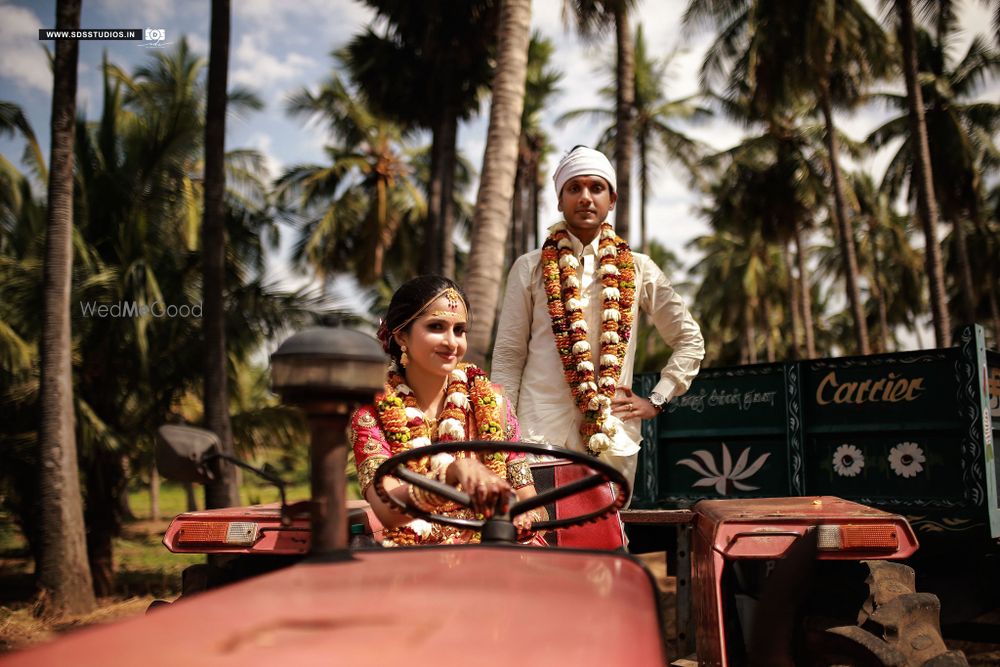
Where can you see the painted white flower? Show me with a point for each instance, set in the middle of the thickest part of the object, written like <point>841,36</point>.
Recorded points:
<point>609,251</point>
<point>584,387</point>
<point>906,459</point>
<point>452,427</point>
<point>848,460</point>
<point>585,366</point>
<point>572,281</point>
<point>612,293</point>
<point>609,270</point>
<point>607,382</point>
<point>607,233</point>
<point>612,314</point>
<point>413,413</point>
<point>420,442</point>
<point>574,304</point>
<point>730,474</point>
<point>460,375</point>
<point>609,360</point>
<point>578,324</point>
<point>580,347</point>
<point>611,337</point>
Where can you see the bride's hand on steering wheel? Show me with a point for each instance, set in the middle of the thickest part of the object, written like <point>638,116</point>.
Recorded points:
<point>482,485</point>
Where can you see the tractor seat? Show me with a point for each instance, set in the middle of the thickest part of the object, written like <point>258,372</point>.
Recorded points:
<point>604,534</point>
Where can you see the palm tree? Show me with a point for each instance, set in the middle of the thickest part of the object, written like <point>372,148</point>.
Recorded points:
<point>927,208</point>
<point>653,125</point>
<point>830,49</point>
<point>541,85</point>
<point>962,146</point>
<point>356,206</point>
<point>594,19</point>
<point>892,264</point>
<point>453,41</point>
<point>221,492</point>
<point>490,227</point>
<point>63,571</point>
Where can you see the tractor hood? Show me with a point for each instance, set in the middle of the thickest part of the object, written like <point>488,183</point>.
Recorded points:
<point>468,605</point>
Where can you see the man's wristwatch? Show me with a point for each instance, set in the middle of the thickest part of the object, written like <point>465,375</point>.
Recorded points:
<point>658,401</point>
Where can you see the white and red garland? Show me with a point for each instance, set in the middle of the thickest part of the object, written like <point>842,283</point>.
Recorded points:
<point>592,391</point>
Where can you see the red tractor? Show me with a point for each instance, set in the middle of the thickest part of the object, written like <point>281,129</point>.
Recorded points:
<point>775,581</point>
<point>778,581</point>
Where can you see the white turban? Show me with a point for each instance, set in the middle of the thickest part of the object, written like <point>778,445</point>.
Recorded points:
<point>584,161</point>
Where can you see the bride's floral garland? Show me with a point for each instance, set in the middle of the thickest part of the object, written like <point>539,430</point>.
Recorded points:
<point>469,391</point>
<point>592,393</point>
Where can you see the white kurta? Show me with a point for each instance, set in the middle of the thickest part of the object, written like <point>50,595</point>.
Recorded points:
<point>527,364</point>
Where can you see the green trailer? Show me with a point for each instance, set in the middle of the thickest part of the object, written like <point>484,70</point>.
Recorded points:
<point>909,432</point>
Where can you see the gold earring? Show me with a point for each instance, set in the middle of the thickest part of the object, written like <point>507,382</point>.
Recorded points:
<point>404,360</point>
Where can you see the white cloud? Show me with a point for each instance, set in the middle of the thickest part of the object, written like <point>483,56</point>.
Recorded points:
<point>22,59</point>
<point>263,142</point>
<point>259,67</point>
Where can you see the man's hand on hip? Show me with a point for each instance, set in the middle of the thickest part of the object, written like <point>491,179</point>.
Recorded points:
<point>628,405</point>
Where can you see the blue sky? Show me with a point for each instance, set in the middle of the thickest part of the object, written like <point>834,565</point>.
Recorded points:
<point>278,47</point>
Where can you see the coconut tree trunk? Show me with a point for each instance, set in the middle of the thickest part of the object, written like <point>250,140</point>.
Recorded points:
<point>765,314</point>
<point>515,240</point>
<point>749,351</point>
<point>793,303</point>
<point>154,493</point>
<point>533,202</point>
<point>448,157</point>
<point>191,497</point>
<point>877,292</point>
<point>496,185</point>
<point>927,208</point>
<point>643,192</point>
<point>222,492</point>
<point>968,293</point>
<point>62,570</point>
<point>105,486</point>
<point>806,295</point>
<point>624,112</point>
<point>847,244</point>
<point>433,245</point>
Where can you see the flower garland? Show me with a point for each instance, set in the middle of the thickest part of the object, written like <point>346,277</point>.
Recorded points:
<point>469,393</point>
<point>591,393</point>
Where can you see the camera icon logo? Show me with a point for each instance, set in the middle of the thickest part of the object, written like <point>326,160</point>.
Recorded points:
<point>154,34</point>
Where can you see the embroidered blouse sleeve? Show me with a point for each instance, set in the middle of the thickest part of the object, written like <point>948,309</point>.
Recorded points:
<point>518,470</point>
<point>370,446</point>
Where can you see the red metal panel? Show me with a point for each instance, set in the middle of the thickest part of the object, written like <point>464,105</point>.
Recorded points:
<point>423,606</point>
<point>766,527</point>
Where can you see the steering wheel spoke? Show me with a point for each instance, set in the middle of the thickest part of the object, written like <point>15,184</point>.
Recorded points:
<point>602,473</point>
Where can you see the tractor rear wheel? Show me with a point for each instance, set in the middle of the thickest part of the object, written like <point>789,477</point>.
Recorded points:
<point>896,627</point>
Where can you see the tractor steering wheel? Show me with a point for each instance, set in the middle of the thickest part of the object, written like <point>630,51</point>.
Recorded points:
<point>602,473</point>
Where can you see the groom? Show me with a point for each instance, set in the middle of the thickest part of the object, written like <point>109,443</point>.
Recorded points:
<point>564,350</point>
